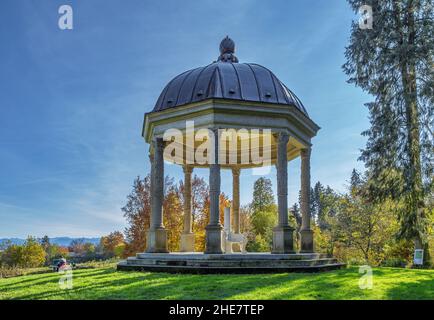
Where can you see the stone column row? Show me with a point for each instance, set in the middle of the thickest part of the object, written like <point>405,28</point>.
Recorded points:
<point>282,233</point>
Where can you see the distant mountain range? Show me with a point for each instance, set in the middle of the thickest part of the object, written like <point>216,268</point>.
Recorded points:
<point>61,241</point>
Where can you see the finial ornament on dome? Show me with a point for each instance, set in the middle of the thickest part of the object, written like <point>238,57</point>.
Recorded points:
<point>227,50</point>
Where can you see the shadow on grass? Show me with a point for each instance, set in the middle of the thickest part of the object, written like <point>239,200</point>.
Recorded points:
<point>47,278</point>
<point>414,288</point>
<point>107,283</point>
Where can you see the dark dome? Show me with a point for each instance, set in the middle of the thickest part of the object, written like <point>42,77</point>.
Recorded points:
<point>226,79</point>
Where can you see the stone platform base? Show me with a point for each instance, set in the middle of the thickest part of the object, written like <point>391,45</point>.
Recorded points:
<point>190,262</point>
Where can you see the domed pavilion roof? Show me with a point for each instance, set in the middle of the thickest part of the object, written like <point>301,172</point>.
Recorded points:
<point>227,79</point>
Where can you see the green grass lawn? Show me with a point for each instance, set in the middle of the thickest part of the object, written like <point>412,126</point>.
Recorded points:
<point>107,283</point>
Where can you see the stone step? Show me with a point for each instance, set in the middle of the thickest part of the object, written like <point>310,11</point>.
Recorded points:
<point>229,263</point>
<point>233,256</point>
<point>124,266</point>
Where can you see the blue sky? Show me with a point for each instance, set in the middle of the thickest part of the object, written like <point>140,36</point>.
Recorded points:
<point>72,101</point>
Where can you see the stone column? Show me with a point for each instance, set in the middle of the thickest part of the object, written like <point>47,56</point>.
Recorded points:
<point>306,234</point>
<point>283,232</point>
<point>214,228</point>
<point>151,186</point>
<point>157,234</point>
<point>187,236</point>
<point>236,199</point>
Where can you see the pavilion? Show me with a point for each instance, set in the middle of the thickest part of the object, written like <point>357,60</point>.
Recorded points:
<point>245,106</point>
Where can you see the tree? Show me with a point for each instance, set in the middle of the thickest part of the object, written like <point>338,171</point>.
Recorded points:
<point>29,255</point>
<point>199,199</point>
<point>366,225</point>
<point>295,211</point>
<point>77,246</point>
<point>316,206</point>
<point>89,249</point>
<point>47,246</point>
<point>263,197</point>
<point>393,62</point>
<point>263,216</point>
<point>55,251</point>
<point>327,202</point>
<point>356,181</point>
<point>137,212</point>
<point>326,225</point>
<point>12,255</point>
<point>173,216</point>
<point>45,242</point>
<point>33,254</point>
<point>199,208</point>
<point>113,244</point>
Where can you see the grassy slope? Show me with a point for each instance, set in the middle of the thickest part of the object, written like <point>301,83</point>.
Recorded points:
<point>106,283</point>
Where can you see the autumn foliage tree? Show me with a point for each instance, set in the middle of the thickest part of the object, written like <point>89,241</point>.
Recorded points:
<point>172,214</point>
<point>30,254</point>
<point>137,212</point>
<point>113,244</point>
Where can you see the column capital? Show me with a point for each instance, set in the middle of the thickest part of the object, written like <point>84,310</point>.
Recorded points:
<point>187,169</point>
<point>214,130</point>
<point>305,153</point>
<point>158,144</point>
<point>236,171</point>
<point>282,137</point>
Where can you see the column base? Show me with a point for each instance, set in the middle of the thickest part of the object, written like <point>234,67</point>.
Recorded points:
<point>157,241</point>
<point>187,242</point>
<point>214,237</point>
<point>306,241</point>
<point>283,240</point>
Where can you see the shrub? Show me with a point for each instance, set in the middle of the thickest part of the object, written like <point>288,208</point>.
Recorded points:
<point>259,244</point>
<point>9,272</point>
<point>394,263</point>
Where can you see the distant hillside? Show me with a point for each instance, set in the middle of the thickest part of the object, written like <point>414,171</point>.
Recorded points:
<point>61,241</point>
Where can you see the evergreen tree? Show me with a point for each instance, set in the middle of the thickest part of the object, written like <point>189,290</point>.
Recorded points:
<point>45,242</point>
<point>263,215</point>
<point>316,206</point>
<point>393,62</point>
<point>263,197</point>
<point>295,211</point>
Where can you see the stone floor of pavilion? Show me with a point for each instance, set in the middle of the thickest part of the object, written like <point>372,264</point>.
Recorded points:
<point>195,262</point>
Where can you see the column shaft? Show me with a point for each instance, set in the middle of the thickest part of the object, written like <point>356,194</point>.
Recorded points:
<point>158,184</point>
<point>305,189</point>
<point>214,228</point>
<point>282,179</point>
<point>151,160</point>
<point>214,185</point>
<point>157,234</point>
<point>283,241</point>
<point>306,234</point>
<point>187,199</point>
<point>236,199</point>
<point>187,236</point>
